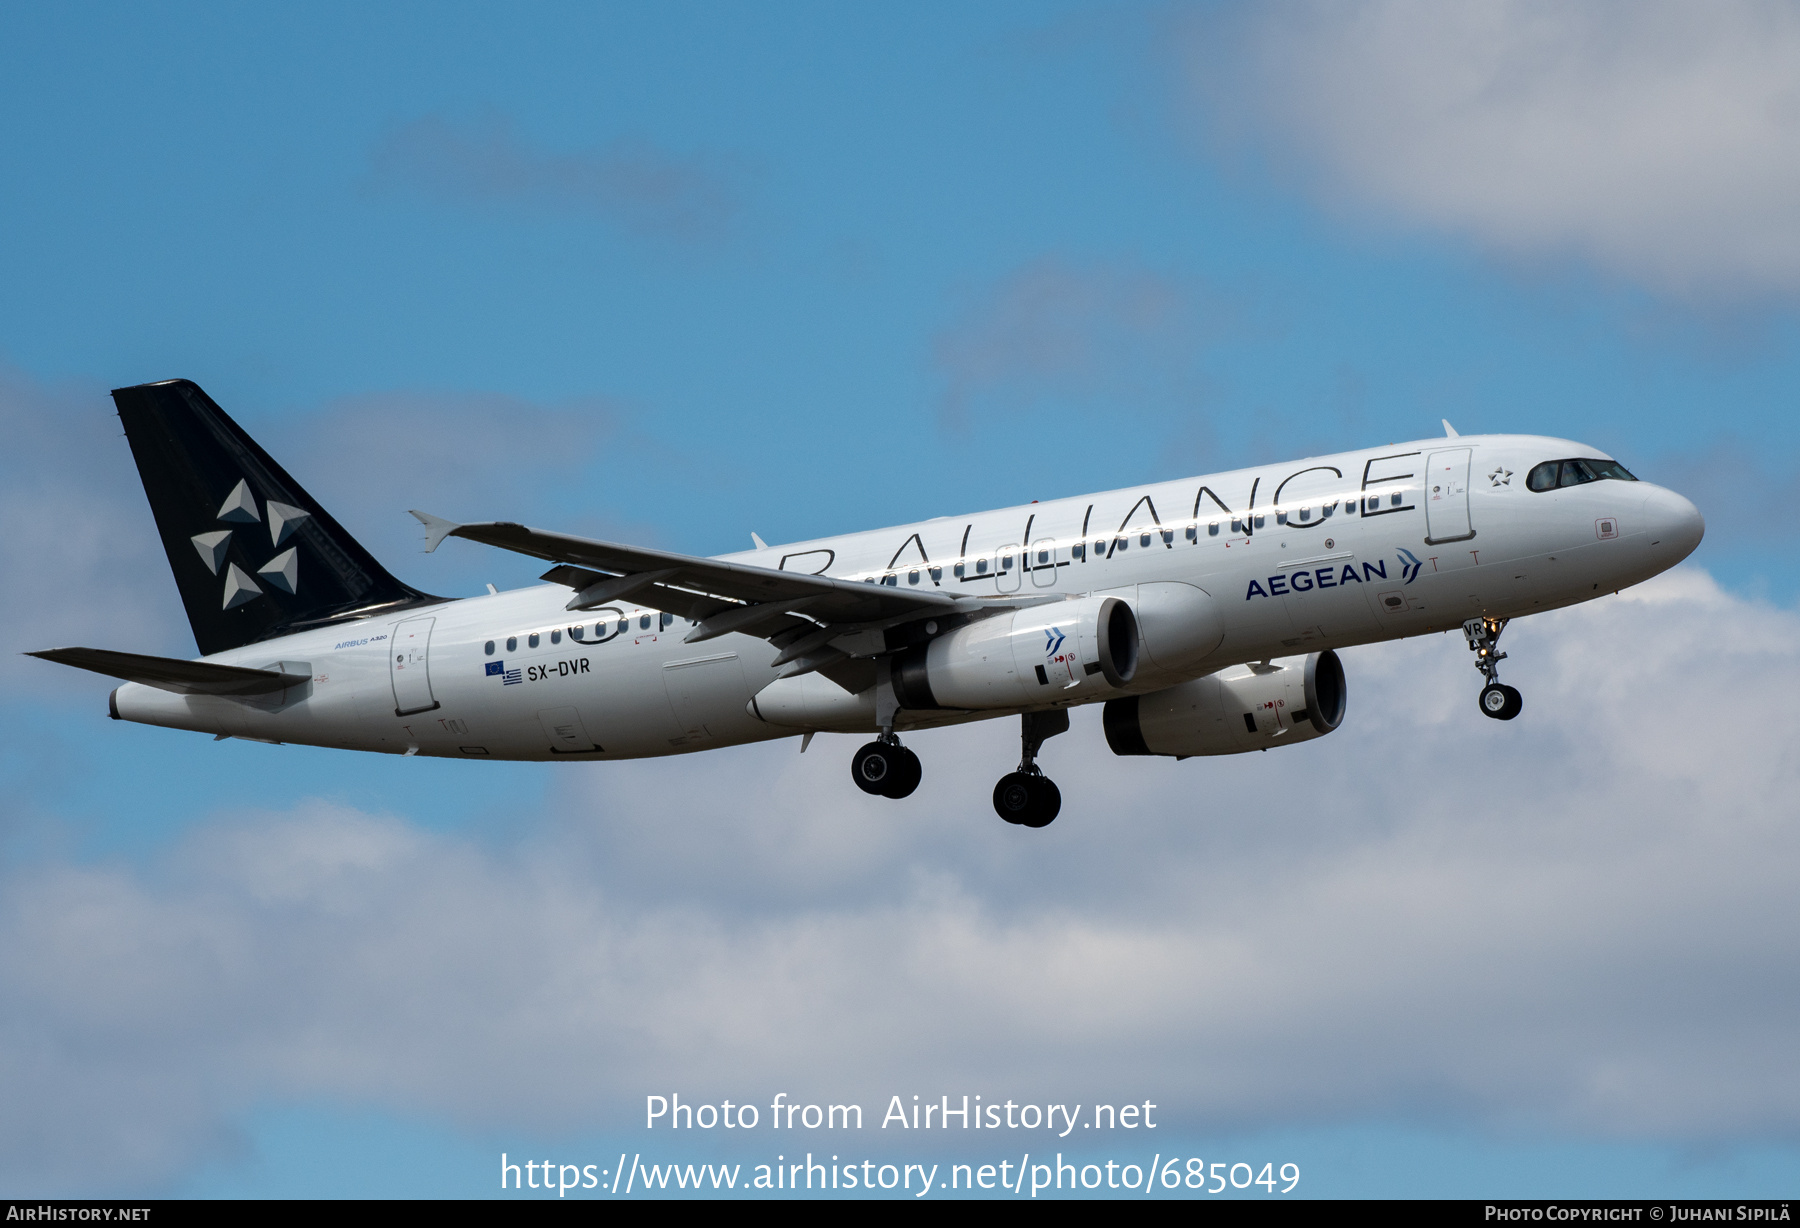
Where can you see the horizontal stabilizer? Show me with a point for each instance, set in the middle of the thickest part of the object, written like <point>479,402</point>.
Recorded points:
<point>169,674</point>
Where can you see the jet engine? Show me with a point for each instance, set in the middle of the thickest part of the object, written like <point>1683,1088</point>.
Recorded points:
<point>1245,707</point>
<point>1067,651</point>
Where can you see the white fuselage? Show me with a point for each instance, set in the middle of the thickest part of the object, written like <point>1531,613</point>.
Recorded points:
<point>1298,557</point>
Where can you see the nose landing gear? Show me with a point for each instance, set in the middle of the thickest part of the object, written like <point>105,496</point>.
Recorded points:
<point>886,768</point>
<point>1028,797</point>
<point>1497,699</point>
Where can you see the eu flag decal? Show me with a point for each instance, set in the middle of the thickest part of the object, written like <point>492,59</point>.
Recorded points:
<point>495,667</point>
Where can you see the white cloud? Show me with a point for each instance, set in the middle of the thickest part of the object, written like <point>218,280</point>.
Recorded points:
<point>80,555</point>
<point>1660,140</point>
<point>453,444</point>
<point>1579,921</point>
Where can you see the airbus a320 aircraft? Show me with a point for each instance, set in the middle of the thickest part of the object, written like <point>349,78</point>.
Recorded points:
<point>1205,614</point>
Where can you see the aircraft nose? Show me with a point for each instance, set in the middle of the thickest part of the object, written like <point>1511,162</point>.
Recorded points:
<point>1675,525</point>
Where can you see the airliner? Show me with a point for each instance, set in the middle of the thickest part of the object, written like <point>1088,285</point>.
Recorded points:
<point>1205,614</point>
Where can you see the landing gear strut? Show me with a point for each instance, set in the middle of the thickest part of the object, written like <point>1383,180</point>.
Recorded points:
<point>1497,700</point>
<point>1028,797</point>
<point>886,768</point>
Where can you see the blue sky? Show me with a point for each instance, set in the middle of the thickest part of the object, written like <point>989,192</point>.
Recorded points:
<point>676,274</point>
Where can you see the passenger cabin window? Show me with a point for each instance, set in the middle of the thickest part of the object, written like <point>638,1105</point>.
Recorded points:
<point>643,622</point>
<point>1212,530</point>
<point>576,633</point>
<point>981,567</point>
<point>1078,551</point>
<point>532,639</point>
<point>556,636</point>
<point>512,643</point>
<point>666,620</point>
<point>937,573</point>
<point>488,648</point>
<point>1576,472</point>
<point>912,577</point>
<point>957,571</point>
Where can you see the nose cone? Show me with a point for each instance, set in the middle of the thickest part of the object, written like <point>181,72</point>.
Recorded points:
<point>1675,526</point>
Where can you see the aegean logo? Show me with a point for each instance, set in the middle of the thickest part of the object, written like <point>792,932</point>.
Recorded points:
<point>1334,576</point>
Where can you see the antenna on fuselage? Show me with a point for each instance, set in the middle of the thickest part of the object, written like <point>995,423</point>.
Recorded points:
<point>1448,429</point>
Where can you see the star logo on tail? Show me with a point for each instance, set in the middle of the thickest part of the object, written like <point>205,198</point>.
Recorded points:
<point>281,572</point>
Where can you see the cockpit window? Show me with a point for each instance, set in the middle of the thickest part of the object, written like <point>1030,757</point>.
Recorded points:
<point>1576,472</point>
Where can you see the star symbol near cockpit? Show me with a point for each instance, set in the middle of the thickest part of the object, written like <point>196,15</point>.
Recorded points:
<point>1501,476</point>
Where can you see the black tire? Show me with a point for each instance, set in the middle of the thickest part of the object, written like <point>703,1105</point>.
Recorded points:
<point>1012,797</point>
<point>1048,802</point>
<point>1029,801</point>
<point>905,777</point>
<point>875,767</point>
<point>1501,702</point>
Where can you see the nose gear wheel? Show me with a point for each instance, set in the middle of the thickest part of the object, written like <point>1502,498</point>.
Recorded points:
<point>1497,699</point>
<point>1501,702</point>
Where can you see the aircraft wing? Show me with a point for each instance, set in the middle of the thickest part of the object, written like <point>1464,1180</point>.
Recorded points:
<point>801,614</point>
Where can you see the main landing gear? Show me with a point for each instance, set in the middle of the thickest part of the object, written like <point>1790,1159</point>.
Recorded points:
<point>1497,700</point>
<point>886,768</point>
<point>1028,797</point>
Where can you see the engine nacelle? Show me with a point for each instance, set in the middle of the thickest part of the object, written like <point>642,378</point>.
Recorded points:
<point>1245,707</point>
<point>1179,626</point>
<point>1063,652</point>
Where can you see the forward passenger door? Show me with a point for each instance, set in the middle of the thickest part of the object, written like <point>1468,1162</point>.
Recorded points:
<point>1447,497</point>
